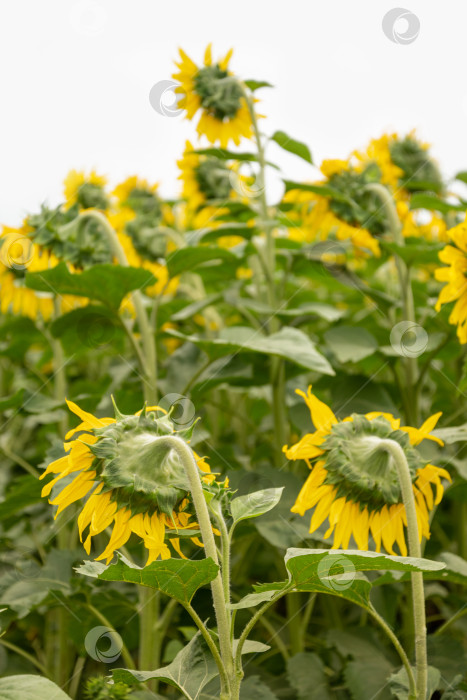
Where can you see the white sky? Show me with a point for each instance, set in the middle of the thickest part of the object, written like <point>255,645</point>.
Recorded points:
<point>76,75</point>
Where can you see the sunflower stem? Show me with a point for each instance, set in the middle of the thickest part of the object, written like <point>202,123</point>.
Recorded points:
<point>399,648</point>
<point>187,459</point>
<point>397,453</point>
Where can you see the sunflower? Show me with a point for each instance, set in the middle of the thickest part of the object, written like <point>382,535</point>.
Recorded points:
<point>85,191</point>
<point>18,255</point>
<point>214,91</point>
<point>455,277</point>
<point>404,163</point>
<point>359,491</point>
<point>317,217</point>
<point>128,483</point>
<point>204,178</point>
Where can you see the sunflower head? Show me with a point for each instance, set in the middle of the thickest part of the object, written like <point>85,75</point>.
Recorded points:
<point>354,204</point>
<point>219,96</point>
<point>131,479</point>
<point>356,486</point>
<point>85,191</point>
<point>419,170</point>
<point>455,278</point>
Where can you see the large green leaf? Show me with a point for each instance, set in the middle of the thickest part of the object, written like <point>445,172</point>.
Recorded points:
<point>433,203</point>
<point>307,676</point>
<point>178,578</point>
<point>288,343</point>
<point>367,680</point>
<point>192,669</point>
<point>399,683</point>
<point>185,259</point>
<point>350,344</point>
<point>454,570</point>
<point>254,504</point>
<point>292,145</point>
<point>22,492</point>
<point>305,565</point>
<point>108,284</point>
<point>337,572</point>
<point>253,688</point>
<point>29,583</point>
<point>30,688</point>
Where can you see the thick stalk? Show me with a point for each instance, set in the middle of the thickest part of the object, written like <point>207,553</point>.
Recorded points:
<point>397,453</point>
<point>188,461</point>
<point>225,544</point>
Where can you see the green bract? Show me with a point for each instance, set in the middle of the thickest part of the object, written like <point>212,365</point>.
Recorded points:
<point>220,96</point>
<point>359,471</point>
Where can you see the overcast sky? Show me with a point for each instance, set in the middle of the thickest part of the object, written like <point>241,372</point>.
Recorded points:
<point>76,77</point>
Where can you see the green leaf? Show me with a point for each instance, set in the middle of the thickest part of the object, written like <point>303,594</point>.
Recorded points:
<point>322,190</point>
<point>454,571</point>
<point>338,572</point>
<point>185,259</point>
<point>22,492</point>
<point>191,670</point>
<point>306,564</point>
<point>415,251</point>
<point>251,600</point>
<point>178,578</point>
<point>367,680</point>
<point>209,234</point>
<point>292,146</point>
<point>108,284</point>
<point>399,683</point>
<point>307,676</point>
<point>288,343</point>
<point>253,687</point>
<point>462,176</point>
<point>13,401</point>
<point>452,435</point>
<point>29,584</point>
<point>350,344</point>
<point>254,504</point>
<point>224,154</point>
<point>30,688</point>
<point>256,84</point>
<point>431,202</point>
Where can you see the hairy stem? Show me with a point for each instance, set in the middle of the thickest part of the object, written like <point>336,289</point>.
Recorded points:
<point>397,453</point>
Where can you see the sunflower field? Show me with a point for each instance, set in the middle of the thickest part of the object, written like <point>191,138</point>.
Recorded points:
<point>233,446</point>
